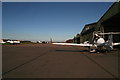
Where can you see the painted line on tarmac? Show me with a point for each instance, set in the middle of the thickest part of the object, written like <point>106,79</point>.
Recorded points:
<point>33,59</point>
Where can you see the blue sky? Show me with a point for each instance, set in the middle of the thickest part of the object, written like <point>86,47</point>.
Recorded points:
<point>44,20</point>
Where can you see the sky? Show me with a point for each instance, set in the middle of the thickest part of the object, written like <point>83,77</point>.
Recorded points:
<point>44,20</point>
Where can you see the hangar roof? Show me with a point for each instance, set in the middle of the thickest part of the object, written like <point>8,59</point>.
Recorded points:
<point>88,28</point>
<point>113,10</point>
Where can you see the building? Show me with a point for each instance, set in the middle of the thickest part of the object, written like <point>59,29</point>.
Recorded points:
<point>1,41</point>
<point>109,22</point>
<point>69,41</point>
<point>87,33</point>
<point>76,39</point>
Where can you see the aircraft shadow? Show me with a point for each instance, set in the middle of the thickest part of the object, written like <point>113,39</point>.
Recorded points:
<point>73,50</point>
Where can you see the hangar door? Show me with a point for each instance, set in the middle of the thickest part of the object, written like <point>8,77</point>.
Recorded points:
<point>113,25</point>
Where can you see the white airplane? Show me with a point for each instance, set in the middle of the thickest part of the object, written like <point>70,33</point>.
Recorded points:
<point>13,42</point>
<point>99,44</point>
<point>39,42</point>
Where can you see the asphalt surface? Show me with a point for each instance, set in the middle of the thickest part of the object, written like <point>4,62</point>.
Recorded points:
<point>53,61</point>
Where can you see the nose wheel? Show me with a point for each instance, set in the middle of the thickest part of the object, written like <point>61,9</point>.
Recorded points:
<point>92,51</point>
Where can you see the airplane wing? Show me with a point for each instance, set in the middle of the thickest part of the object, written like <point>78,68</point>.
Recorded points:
<point>73,44</point>
<point>115,44</point>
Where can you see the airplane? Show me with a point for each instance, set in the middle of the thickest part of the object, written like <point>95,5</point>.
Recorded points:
<point>13,42</point>
<point>98,44</point>
<point>39,42</point>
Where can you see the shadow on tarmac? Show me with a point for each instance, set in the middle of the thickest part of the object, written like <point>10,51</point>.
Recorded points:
<point>73,50</point>
<point>99,52</point>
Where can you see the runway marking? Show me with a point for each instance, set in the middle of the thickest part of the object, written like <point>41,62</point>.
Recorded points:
<point>114,76</point>
<point>26,62</point>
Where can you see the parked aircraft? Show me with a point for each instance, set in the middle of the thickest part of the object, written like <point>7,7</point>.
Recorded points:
<point>13,42</point>
<point>39,42</point>
<point>99,44</point>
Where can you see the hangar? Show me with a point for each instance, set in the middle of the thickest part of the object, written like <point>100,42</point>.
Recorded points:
<point>87,32</point>
<point>76,39</point>
<point>109,22</point>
